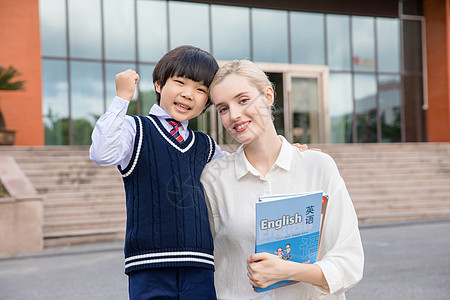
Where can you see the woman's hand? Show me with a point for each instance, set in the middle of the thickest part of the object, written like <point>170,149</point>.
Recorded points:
<point>265,269</point>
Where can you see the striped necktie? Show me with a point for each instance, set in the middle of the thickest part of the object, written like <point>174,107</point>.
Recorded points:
<point>174,132</point>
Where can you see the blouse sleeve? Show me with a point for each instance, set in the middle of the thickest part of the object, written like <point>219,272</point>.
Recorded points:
<point>341,255</point>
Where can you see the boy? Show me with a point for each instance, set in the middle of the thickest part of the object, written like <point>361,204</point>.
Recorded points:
<point>168,243</point>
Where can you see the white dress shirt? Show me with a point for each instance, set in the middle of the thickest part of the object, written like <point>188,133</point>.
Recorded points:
<point>232,186</point>
<point>114,133</point>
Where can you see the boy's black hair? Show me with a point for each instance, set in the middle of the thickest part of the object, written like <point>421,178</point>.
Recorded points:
<point>186,61</point>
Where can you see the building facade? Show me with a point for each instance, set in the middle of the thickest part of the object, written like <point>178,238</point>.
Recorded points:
<point>344,72</point>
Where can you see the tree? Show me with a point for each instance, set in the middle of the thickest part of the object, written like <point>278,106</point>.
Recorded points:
<point>6,84</point>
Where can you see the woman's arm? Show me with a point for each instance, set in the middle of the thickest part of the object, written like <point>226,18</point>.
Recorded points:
<point>340,255</point>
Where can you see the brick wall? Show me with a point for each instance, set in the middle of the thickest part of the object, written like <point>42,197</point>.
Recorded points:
<point>20,47</point>
<point>437,20</point>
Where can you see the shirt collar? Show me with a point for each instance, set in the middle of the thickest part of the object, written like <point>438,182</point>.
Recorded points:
<point>158,111</point>
<point>284,159</point>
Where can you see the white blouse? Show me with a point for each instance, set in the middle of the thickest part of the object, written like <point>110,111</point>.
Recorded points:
<point>232,186</point>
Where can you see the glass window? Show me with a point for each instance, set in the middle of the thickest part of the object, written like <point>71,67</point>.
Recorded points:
<point>111,69</point>
<point>388,45</point>
<point>53,27</point>
<point>189,25</point>
<point>338,42</point>
<point>307,38</point>
<point>390,95</point>
<point>86,99</point>
<point>119,27</point>
<point>55,101</point>
<point>146,88</point>
<point>363,42</point>
<point>341,107</point>
<point>270,35</point>
<point>152,30</point>
<point>305,109</point>
<point>365,108</point>
<point>230,26</point>
<point>85,29</point>
<point>412,48</point>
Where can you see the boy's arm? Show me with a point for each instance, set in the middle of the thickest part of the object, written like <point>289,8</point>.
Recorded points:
<point>114,132</point>
<point>113,136</point>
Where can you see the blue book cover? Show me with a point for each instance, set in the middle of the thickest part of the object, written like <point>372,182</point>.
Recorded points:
<point>289,226</point>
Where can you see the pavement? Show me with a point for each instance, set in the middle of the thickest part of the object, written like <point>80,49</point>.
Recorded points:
<point>402,261</point>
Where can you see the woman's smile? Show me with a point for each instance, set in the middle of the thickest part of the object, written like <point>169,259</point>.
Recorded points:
<point>241,126</point>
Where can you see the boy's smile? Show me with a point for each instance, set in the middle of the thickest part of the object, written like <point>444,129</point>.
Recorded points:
<point>182,107</point>
<point>182,98</point>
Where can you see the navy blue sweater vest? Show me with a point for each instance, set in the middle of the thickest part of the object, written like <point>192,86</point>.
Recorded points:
<point>167,217</point>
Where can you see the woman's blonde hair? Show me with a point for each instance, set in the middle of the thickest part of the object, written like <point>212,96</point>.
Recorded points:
<point>246,69</point>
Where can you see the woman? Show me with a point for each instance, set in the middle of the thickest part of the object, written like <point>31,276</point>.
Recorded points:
<point>267,164</point>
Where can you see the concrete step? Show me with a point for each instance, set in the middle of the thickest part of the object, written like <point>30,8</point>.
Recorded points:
<point>83,188</point>
<point>85,213</point>
<point>50,227</point>
<point>386,147</point>
<point>388,217</point>
<point>43,184</point>
<point>61,207</point>
<point>54,159</point>
<point>84,202</point>
<point>420,189</point>
<point>393,164</point>
<point>399,171</point>
<point>76,166</point>
<point>84,236</point>
<point>104,193</point>
<point>96,176</point>
<point>370,183</point>
<point>385,153</point>
<point>399,207</point>
<point>44,150</point>
<point>62,171</point>
<point>388,177</point>
<point>381,152</point>
<point>369,199</point>
<point>382,165</point>
<point>403,198</point>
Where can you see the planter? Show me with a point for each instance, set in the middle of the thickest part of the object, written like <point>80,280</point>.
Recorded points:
<point>21,213</point>
<point>21,225</point>
<point>7,137</point>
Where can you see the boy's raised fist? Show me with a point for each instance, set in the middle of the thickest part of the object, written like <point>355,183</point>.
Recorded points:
<point>125,84</point>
